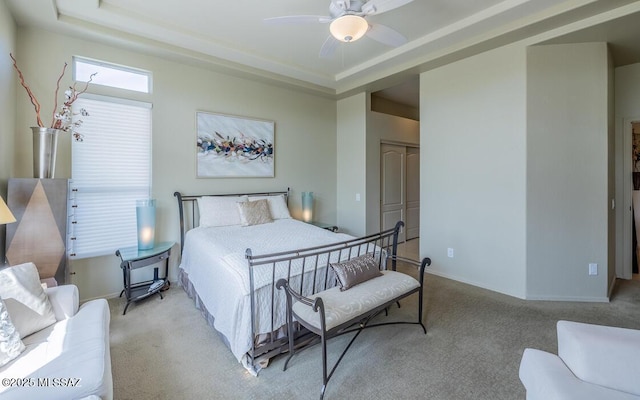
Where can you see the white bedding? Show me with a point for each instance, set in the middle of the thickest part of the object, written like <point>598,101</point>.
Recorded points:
<point>214,259</point>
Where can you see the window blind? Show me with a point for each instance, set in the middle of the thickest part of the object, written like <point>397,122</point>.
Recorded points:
<point>110,170</point>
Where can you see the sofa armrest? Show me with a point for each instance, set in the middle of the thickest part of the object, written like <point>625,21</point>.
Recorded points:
<point>546,377</point>
<point>64,299</point>
<point>604,355</point>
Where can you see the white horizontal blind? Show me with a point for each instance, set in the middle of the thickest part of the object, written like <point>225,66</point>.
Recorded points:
<point>110,169</point>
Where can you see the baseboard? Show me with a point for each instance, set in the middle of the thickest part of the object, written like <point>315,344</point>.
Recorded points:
<point>569,298</point>
<point>475,284</point>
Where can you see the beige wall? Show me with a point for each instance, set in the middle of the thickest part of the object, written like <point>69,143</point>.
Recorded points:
<point>472,169</point>
<point>567,171</point>
<point>7,105</point>
<point>305,139</point>
<point>382,105</point>
<point>351,163</point>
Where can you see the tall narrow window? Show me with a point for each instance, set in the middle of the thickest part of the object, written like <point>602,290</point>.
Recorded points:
<point>111,169</point>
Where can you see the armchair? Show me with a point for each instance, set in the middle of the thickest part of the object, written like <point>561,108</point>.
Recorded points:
<point>593,362</point>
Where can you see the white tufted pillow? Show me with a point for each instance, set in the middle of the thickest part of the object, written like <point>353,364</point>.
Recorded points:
<point>27,303</point>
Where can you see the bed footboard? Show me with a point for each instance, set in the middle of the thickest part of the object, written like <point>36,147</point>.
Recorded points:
<point>307,271</point>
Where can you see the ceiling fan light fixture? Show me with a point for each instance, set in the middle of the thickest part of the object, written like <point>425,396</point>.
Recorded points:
<point>348,28</point>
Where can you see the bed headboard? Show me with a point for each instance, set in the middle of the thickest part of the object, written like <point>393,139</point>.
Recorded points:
<point>190,216</point>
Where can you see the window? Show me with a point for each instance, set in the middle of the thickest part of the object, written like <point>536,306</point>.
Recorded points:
<point>110,169</point>
<point>113,75</point>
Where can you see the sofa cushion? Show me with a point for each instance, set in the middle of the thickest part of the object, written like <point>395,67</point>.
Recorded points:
<point>76,349</point>
<point>26,301</point>
<point>546,377</point>
<point>604,355</point>
<point>10,344</point>
<point>343,306</point>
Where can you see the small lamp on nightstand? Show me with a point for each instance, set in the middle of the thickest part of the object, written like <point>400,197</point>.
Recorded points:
<point>5,214</point>
<point>146,218</point>
<point>307,206</point>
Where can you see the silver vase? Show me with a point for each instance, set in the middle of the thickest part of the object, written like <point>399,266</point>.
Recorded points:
<point>45,146</point>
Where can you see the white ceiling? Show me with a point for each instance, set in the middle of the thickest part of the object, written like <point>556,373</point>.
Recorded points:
<point>231,35</point>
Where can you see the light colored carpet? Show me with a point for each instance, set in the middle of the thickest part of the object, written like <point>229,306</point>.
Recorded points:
<point>163,349</point>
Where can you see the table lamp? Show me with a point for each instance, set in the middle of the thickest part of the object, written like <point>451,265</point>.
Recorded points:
<point>5,214</point>
<point>307,206</point>
<point>146,218</point>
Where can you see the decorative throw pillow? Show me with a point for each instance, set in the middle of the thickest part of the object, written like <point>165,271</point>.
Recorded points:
<point>10,344</point>
<point>277,206</point>
<point>254,212</point>
<point>356,270</point>
<point>27,303</point>
<point>219,210</point>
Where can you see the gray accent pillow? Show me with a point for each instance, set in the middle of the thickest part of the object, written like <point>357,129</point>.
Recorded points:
<point>254,212</point>
<point>356,270</point>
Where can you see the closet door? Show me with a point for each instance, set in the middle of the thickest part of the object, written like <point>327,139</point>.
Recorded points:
<point>413,193</point>
<point>392,186</point>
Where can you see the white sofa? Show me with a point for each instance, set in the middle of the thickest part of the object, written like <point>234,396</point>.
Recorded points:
<point>67,360</point>
<point>593,362</point>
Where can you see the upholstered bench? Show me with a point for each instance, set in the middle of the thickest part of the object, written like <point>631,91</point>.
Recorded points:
<point>355,301</point>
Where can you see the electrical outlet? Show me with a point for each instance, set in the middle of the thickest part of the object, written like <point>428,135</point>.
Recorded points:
<point>593,269</point>
<point>450,252</point>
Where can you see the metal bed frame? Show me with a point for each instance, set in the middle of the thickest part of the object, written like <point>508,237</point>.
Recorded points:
<point>312,263</point>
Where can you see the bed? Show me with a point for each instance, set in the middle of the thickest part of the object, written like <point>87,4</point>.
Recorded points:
<point>229,266</point>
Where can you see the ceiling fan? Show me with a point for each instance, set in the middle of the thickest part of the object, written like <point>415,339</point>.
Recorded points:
<point>347,23</point>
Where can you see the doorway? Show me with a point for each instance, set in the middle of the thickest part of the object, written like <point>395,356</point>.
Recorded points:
<point>400,188</point>
<point>627,249</point>
<point>635,197</point>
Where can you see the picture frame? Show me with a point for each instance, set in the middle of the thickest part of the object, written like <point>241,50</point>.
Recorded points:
<point>229,146</point>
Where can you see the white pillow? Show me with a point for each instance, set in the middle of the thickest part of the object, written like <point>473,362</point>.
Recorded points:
<point>254,212</point>
<point>277,206</point>
<point>26,301</point>
<point>219,210</point>
<point>10,344</point>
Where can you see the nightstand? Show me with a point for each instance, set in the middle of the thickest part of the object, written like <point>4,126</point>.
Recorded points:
<point>132,258</point>
<point>329,227</point>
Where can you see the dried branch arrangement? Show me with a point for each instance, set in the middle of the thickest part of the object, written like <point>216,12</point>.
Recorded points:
<point>63,119</point>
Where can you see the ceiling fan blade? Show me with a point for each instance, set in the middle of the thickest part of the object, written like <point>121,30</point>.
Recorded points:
<point>379,6</point>
<point>329,47</point>
<point>297,19</point>
<point>385,35</point>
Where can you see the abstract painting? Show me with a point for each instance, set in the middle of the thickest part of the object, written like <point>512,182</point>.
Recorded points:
<point>232,147</point>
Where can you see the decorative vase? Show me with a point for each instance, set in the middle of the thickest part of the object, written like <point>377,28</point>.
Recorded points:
<point>45,146</point>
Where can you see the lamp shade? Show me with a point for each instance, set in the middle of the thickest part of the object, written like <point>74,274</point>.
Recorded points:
<point>348,28</point>
<point>146,219</point>
<point>307,206</point>
<point>5,214</point>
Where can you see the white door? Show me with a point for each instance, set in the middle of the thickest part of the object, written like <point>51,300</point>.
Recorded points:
<point>392,186</point>
<point>412,222</point>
